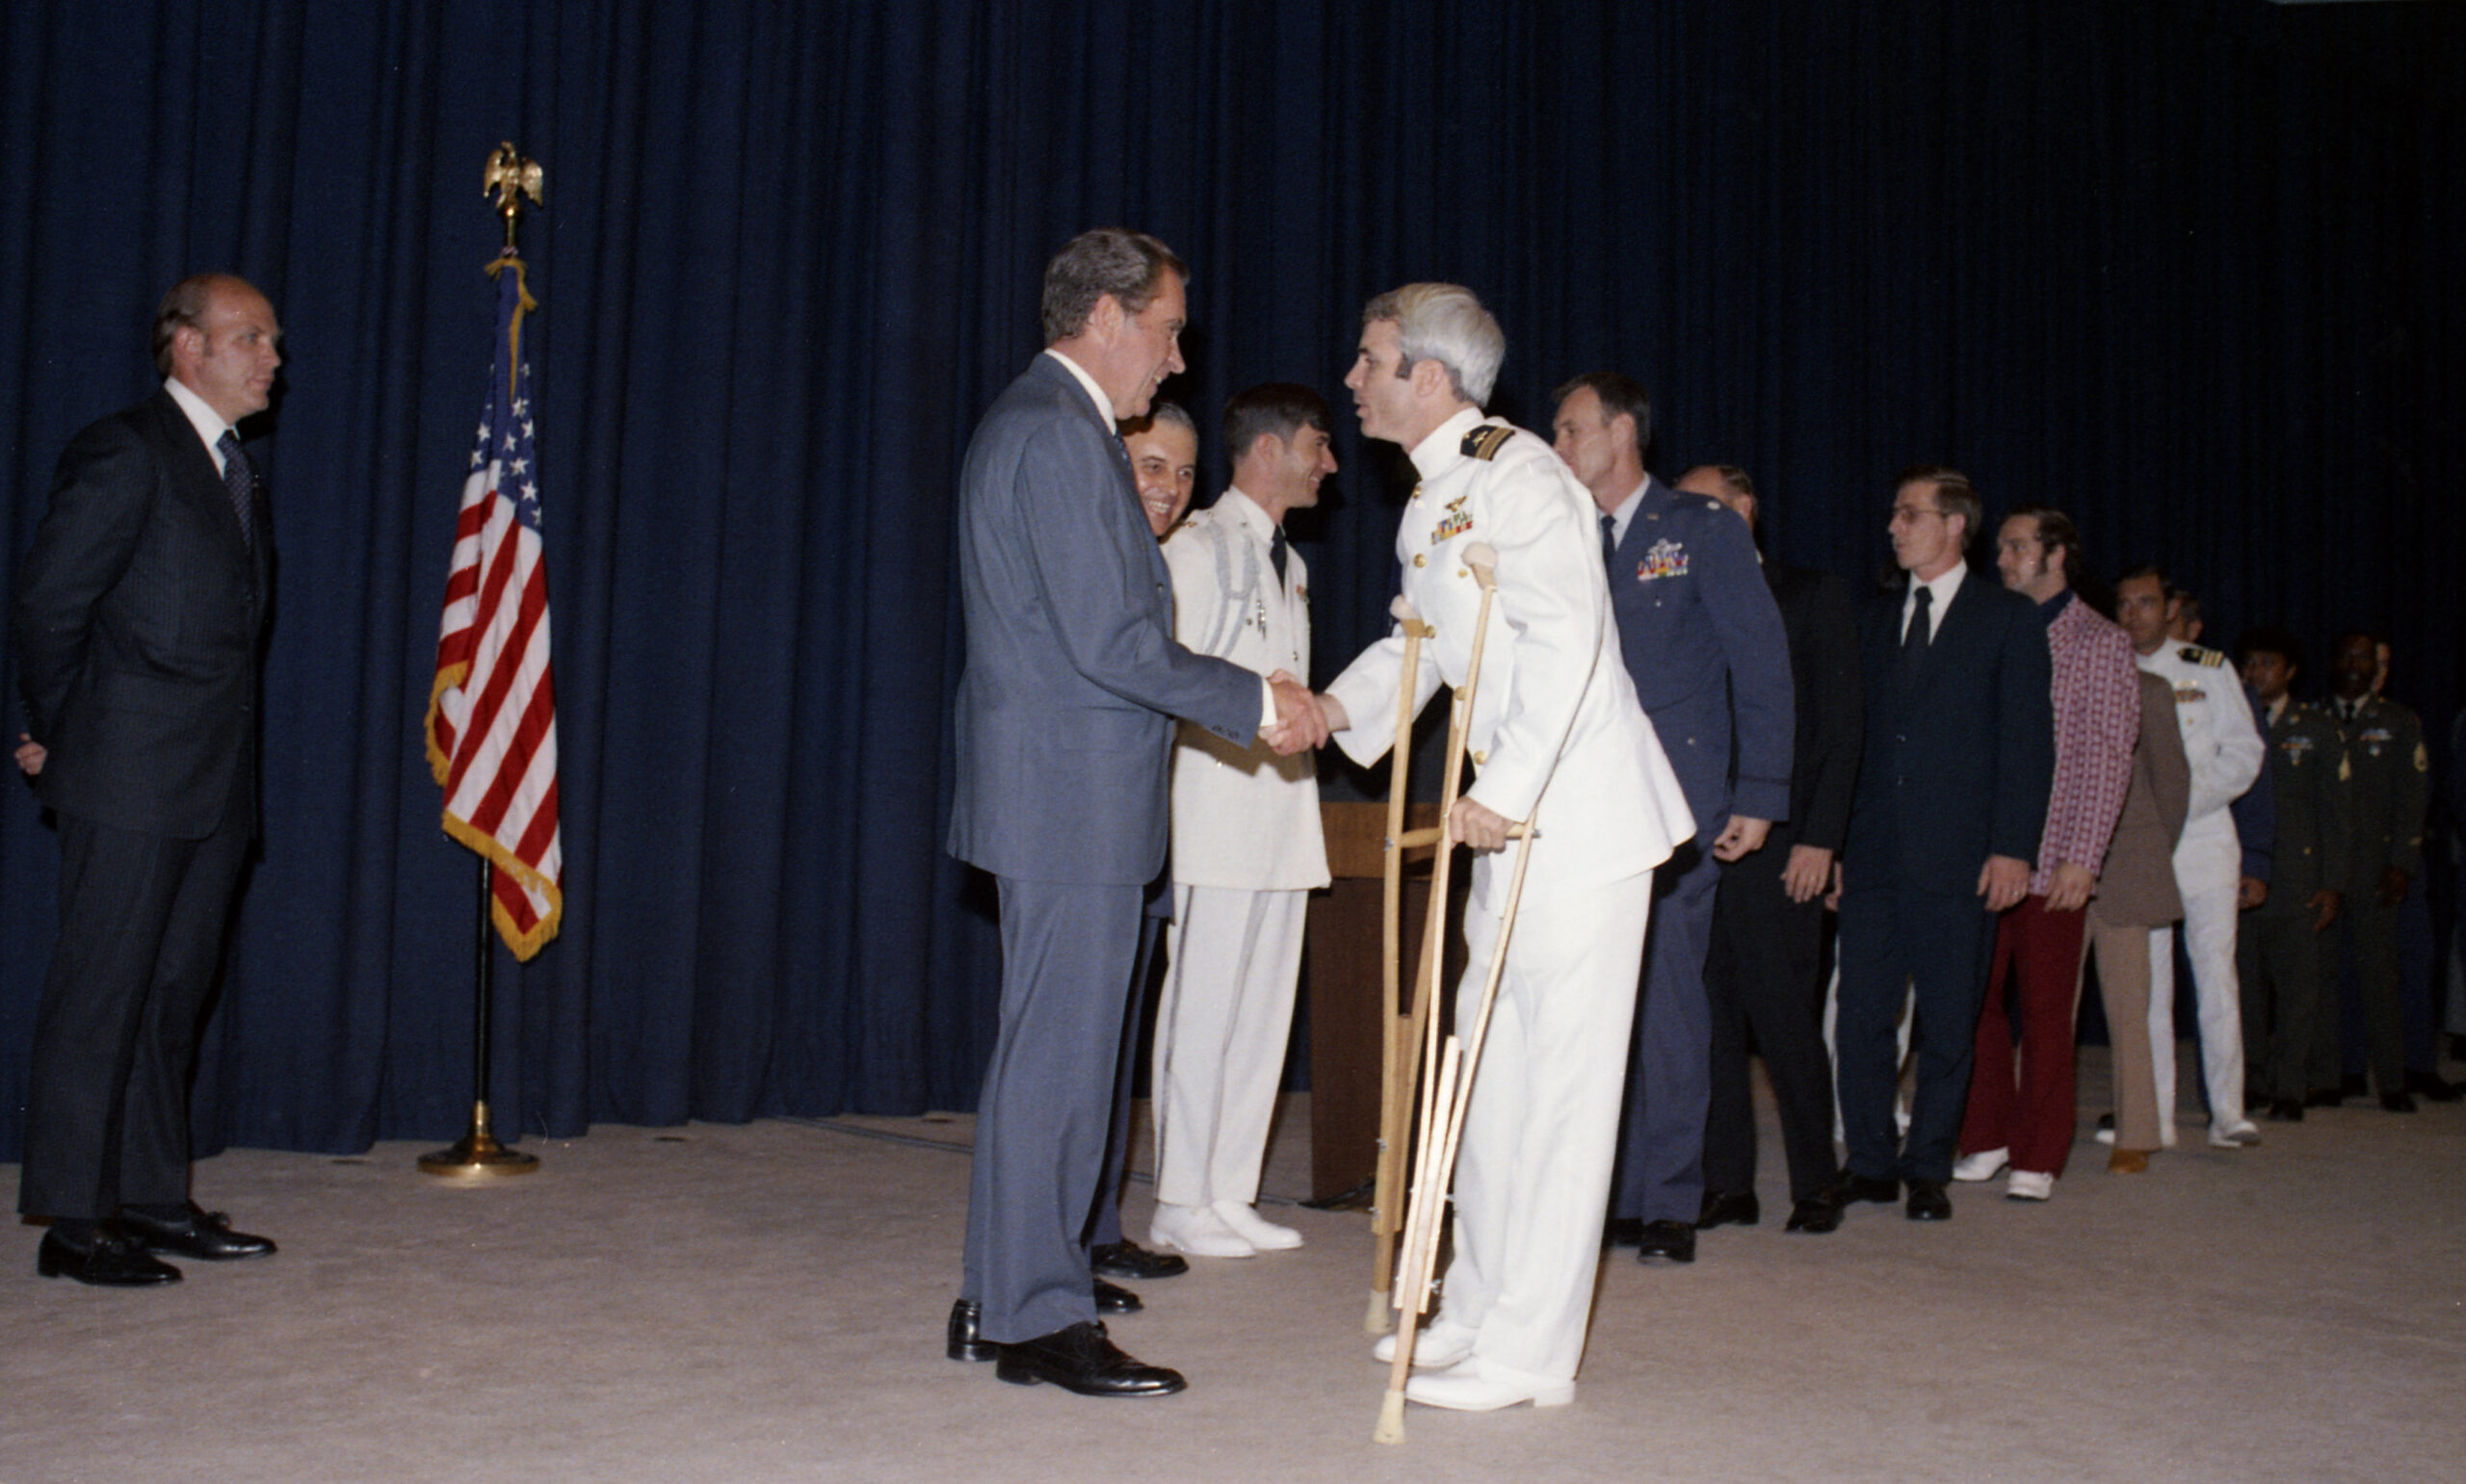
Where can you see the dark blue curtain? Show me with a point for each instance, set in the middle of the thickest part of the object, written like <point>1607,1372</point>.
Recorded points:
<point>2186,268</point>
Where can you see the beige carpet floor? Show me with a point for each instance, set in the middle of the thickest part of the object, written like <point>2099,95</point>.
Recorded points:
<point>765,1303</point>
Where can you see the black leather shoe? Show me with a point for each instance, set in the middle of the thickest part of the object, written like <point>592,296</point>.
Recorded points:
<point>2433,1088</point>
<point>960,1341</point>
<point>107,1260</point>
<point>1623,1231</point>
<point>1928,1202</point>
<point>205,1235</point>
<point>1852,1187</point>
<point>1126,1258</point>
<point>1081,1358</point>
<point>2107,1121</point>
<point>1113,1298</point>
<point>2325,1097</point>
<point>2286,1110</point>
<point>1816,1213</point>
<point>2397,1102</point>
<point>1730,1208</point>
<point>1671,1239</point>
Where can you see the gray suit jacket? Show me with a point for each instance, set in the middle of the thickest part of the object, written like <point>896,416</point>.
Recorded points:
<point>136,620</point>
<point>1064,721</point>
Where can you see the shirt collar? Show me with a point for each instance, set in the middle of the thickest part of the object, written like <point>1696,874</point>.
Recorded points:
<point>2052,608</point>
<point>1246,510</point>
<point>1088,383</point>
<point>207,421</point>
<point>1443,449</point>
<point>1946,583</point>
<point>1625,514</point>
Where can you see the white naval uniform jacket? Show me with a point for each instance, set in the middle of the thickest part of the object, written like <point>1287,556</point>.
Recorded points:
<point>1557,735</point>
<point>2221,740</point>
<point>1244,819</point>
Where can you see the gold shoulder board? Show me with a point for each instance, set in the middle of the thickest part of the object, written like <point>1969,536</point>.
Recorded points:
<point>1484,442</point>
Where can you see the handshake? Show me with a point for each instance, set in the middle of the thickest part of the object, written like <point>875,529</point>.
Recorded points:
<point>1302,720</point>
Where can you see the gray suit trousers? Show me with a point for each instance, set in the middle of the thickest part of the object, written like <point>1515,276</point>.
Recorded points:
<point>1046,1109</point>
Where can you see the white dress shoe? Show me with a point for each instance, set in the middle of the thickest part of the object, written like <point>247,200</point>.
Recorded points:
<point>1198,1230</point>
<point>2028,1185</point>
<point>1476,1385</point>
<point>1985,1164</point>
<point>1436,1345</point>
<point>2165,1136</point>
<point>1256,1230</point>
<point>2235,1135</point>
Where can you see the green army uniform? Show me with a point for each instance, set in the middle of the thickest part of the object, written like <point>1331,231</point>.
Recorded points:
<point>2279,959</point>
<point>2387,798</point>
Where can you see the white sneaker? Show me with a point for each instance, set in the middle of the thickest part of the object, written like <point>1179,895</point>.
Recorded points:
<point>2233,1135</point>
<point>1260,1232</point>
<point>1475,1385</point>
<point>1198,1230</point>
<point>2105,1137</point>
<point>1985,1164</point>
<point>2028,1185</point>
<point>1436,1345</point>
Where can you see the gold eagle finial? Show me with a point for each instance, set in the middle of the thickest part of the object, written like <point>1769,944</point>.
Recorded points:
<point>510,179</point>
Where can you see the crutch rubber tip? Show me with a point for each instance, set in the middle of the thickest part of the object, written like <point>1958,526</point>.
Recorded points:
<point>1375,1322</point>
<point>1391,1420</point>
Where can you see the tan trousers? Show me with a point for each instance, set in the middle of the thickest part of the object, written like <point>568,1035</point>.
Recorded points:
<point>2123,983</point>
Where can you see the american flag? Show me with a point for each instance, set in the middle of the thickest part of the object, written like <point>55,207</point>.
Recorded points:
<point>492,713</point>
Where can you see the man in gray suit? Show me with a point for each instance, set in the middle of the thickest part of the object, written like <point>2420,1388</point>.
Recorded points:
<point>137,620</point>
<point>1064,720</point>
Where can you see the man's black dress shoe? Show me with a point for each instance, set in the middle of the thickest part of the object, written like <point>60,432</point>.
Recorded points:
<point>205,1235</point>
<point>1671,1239</point>
<point>1852,1187</point>
<point>1928,1202</point>
<point>2397,1102</point>
<point>960,1341</point>
<point>2286,1110</point>
<point>1816,1213</point>
<point>1126,1258</point>
<point>106,1259</point>
<point>1623,1231</point>
<point>2433,1086</point>
<point>1730,1208</point>
<point>2325,1097</point>
<point>1081,1358</point>
<point>1113,1298</point>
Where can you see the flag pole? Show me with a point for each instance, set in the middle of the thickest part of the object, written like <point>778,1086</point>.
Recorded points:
<point>477,1154</point>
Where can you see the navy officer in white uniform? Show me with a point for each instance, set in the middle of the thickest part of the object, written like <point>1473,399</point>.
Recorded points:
<point>1557,739</point>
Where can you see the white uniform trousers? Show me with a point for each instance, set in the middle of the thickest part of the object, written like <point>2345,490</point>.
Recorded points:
<point>2209,869</point>
<point>1533,1172</point>
<point>1221,1032</point>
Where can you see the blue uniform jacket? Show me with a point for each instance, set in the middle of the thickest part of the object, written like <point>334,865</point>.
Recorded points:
<point>1704,643</point>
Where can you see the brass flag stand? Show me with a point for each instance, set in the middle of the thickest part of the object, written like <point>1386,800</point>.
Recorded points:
<point>477,1154</point>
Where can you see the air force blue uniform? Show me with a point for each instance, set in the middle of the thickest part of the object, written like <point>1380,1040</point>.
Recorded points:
<point>1704,643</point>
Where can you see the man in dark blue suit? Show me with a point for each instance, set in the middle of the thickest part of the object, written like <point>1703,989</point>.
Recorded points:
<point>1704,645</point>
<point>137,621</point>
<point>1064,725</point>
<point>1951,795</point>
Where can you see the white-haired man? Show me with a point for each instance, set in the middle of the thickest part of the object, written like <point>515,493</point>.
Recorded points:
<point>1558,741</point>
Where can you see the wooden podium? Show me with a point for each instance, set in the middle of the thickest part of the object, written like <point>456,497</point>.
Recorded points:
<point>1343,951</point>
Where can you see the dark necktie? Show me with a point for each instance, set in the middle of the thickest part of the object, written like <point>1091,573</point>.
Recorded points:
<point>242,481</point>
<point>1913,641</point>
<point>1608,539</point>
<point>1276,554</point>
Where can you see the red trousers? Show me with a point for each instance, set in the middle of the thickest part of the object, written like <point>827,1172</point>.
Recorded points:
<point>2037,963</point>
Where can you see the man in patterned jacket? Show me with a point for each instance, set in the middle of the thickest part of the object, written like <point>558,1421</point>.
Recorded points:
<point>2096,696</point>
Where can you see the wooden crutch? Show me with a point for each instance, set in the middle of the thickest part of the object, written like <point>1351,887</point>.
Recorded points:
<point>1400,1031</point>
<point>1443,1126</point>
<point>1439,1100</point>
